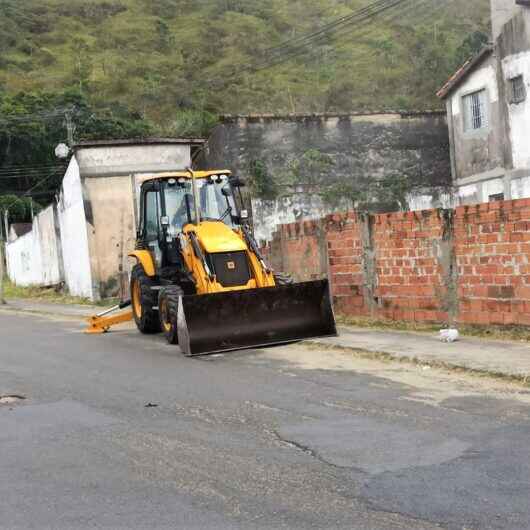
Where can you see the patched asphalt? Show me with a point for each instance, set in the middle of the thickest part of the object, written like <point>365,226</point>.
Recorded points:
<point>251,439</point>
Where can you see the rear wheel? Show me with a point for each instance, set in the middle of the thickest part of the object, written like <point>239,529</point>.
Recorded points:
<point>281,278</point>
<point>168,306</point>
<point>143,300</point>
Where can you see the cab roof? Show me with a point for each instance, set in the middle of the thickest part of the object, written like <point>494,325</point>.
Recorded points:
<point>186,174</point>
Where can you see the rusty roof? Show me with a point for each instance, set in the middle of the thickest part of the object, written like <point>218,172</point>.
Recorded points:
<point>463,71</point>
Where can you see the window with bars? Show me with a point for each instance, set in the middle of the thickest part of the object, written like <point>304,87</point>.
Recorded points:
<point>475,111</point>
<point>496,197</point>
<point>518,90</point>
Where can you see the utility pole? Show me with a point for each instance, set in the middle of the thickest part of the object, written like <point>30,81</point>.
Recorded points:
<point>69,127</point>
<point>2,266</point>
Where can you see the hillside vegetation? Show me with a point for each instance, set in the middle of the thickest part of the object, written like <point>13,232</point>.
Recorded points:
<point>128,68</point>
<point>169,59</point>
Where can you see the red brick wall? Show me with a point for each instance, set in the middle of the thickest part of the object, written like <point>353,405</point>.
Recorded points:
<point>297,248</point>
<point>345,250</point>
<point>492,246</point>
<point>470,265</point>
<point>410,280</point>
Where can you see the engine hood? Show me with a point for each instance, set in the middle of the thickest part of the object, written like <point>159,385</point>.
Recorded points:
<point>215,236</point>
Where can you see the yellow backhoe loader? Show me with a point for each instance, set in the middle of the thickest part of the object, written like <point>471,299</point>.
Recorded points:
<point>200,277</point>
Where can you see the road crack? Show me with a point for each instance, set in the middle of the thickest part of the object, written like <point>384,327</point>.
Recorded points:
<point>305,449</point>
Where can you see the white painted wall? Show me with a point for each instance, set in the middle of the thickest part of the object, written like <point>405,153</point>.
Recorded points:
<point>427,202</point>
<point>34,258</point>
<point>23,260</point>
<point>519,114</point>
<point>469,194</point>
<point>269,214</point>
<point>520,188</point>
<point>114,160</point>
<point>483,77</point>
<point>51,266</point>
<point>74,238</point>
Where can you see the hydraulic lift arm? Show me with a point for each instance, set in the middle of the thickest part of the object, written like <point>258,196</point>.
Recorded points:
<point>102,322</point>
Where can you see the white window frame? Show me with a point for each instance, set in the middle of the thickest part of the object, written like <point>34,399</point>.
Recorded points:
<point>475,111</point>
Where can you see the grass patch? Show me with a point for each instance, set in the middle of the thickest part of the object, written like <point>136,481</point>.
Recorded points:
<point>50,294</point>
<point>516,333</point>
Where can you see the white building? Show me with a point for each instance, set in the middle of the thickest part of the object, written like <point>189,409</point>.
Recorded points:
<point>488,110</point>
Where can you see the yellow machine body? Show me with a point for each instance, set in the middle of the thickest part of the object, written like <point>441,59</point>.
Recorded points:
<point>216,238</point>
<point>235,300</point>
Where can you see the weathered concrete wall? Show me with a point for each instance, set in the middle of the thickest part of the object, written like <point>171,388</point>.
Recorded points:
<point>479,151</point>
<point>501,12</point>
<point>312,165</point>
<point>513,52</point>
<point>496,160</point>
<point>23,258</point>
<point>35,258</point>
<point>112,231</point>
<point>110,176</point>
<point>467,265</point>
<point>123,159</point>
<point>74,237</point>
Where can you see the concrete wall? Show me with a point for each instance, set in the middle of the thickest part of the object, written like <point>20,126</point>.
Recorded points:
<point>467,265</point>
<point>112,230</point>
<point>74,237</point>
<point>496,160</point>
<point>109,177</point>
<point>84,239</point>
<point>501,12</point>
<point>513,49</point>
<point>311,160</point>
<point>97,160</point>
<point>35,258</point>
<point>480,151</point>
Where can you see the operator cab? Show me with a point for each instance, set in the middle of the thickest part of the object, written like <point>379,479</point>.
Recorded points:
<point>169,205</point>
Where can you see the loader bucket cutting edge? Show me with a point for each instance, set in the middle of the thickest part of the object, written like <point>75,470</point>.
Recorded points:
<point>254,318</point>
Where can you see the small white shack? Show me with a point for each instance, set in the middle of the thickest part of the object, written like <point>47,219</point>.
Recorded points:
<point>84,239</point>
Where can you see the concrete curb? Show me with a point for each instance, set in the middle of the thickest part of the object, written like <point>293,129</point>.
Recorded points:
<point>56,311</point>
<point>523,379</point>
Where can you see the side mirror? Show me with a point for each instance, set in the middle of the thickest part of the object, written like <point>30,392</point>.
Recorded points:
<point>164,221</point>
<point>237,182</point>
<point>227,192</point>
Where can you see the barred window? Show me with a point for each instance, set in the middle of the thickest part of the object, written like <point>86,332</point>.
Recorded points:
<point>496,197</point>
<point>518,90</point>
<point>475,111</point>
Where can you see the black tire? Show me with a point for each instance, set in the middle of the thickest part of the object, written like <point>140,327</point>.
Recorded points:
<point>168,304</point>
<point>281,278</point>
<point>143,299</point>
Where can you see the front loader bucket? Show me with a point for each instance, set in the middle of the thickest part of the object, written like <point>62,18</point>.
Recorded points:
<point>236,320</point>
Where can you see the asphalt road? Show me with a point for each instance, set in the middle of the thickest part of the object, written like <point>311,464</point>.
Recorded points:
<point>289,437</point>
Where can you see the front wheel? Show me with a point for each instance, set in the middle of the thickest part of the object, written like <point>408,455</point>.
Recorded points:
<point>144,301</point>
<point>168,306</point>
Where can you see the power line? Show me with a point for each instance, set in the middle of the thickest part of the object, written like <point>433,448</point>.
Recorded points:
<point>302,48</point>
<point>27,194</point>
<point>31,190</point>
<point>362,15</point>
<point>329,27</point>
<point>22,169</point>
